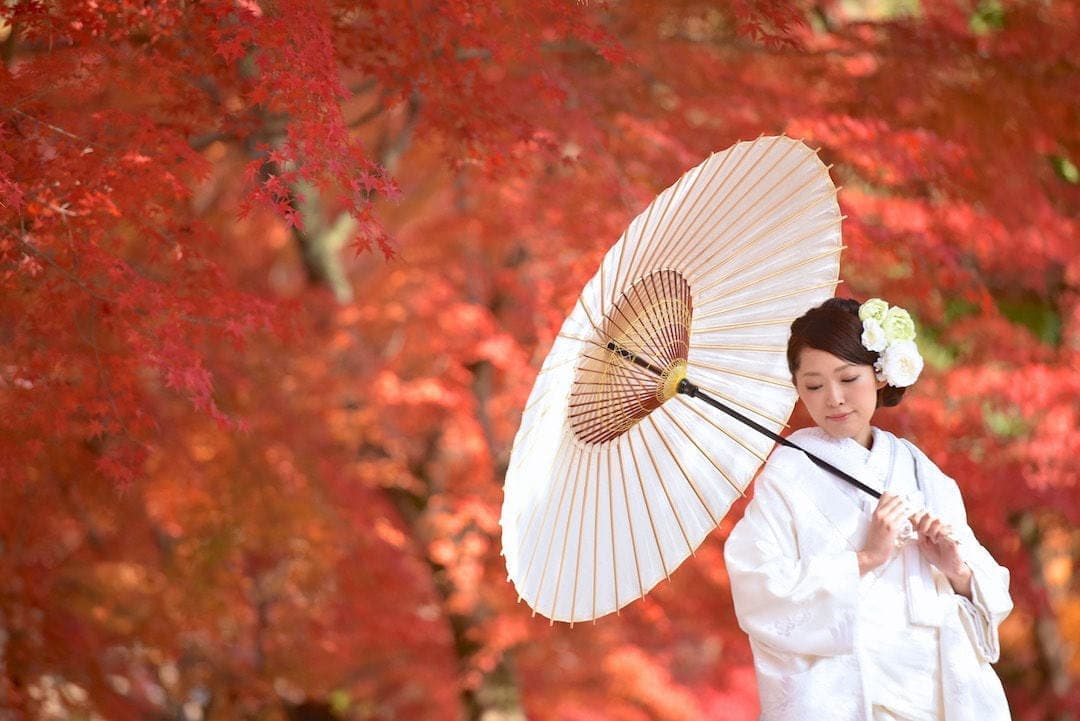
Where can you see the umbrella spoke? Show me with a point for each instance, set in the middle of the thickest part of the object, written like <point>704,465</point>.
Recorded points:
<point>576,455</point>
<point>675,457</point>
<point>648,510</point>
<point>711,419</point>
<point>779,422</point>
<point>710,234</point>
<point>759,300</point>
<point>748,240</point>
<point>630,525</point>
<point>664,488</point>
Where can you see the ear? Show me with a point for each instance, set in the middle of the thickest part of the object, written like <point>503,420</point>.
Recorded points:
<point>881,384</point>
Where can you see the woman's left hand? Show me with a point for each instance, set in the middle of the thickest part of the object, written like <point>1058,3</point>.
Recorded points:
<point>937,545</point>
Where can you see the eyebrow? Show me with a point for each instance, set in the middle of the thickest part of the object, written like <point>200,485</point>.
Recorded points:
<point>837,369</point>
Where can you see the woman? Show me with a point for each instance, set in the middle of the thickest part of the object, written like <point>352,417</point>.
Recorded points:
<point>861,609</point>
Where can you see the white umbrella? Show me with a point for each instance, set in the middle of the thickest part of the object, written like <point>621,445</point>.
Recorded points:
<point>618,472</point>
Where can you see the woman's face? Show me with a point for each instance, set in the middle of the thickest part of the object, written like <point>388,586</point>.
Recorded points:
<point>840,395</point>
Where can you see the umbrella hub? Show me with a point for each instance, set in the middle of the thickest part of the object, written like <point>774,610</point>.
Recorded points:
<point>638,359</point>
<point>670,379</point>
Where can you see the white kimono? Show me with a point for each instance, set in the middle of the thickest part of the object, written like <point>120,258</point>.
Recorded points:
<point>897,643</point>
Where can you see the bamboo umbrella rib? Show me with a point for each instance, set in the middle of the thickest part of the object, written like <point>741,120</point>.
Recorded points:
<point>628,382</point>
<point>670,315</point>
<point>748,240</point>
<point>620,248</point>
<point>664,488</point>
<point>608,384</point>
<point>710,234</point>
<point>592,408</point>
<point>554,526</point>
<point>736,346</point>
<point>813,200</point>
<point>634,244</point>
<point>780,271</point>
<point>596,533</point>
<point>708,457</point>
<point>672,320</point>
<point>745,374</point>
<point>611,528</point>
<point>645,318</point>
<point>646,325</point>
<point>748,324</point>
<point>716,393</point>
<point>724,202</point>
<point>671,202</point>
<point>580,536</point>
<point>682,468</point>
<point>553,366</point>
<point>633,324</point>
<point>630,525</point>
<point>572,459</point>
<point>648,511</point>
<point>712,420</point>
<point>590,341</point>
<point>603,294</point>
<point>596,329</point>
<point>663,244</point>
<point>538,401</point>
<point>659,205</point>
<point>813,232</point>
<point>613,365</point>
<point>565,540</point>
<point>528,531</point>
<point>764,299</point>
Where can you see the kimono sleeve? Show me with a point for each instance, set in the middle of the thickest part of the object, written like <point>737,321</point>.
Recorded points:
<point>794,602</point>
<point>990,600</point>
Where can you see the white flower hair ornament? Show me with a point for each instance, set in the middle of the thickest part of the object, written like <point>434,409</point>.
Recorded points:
<point>890,332</point>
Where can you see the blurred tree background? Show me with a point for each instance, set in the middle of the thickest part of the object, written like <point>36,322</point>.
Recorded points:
<point>277,277</point>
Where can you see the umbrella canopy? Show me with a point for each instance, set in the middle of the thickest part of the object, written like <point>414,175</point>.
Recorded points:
<point>615,476</point>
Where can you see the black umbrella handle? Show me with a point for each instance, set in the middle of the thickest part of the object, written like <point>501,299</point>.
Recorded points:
<point>688,388</point>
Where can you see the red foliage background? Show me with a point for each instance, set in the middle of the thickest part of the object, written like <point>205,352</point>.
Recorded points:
<point>276,277</point>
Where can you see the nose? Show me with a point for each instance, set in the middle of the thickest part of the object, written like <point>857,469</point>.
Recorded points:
<point>836,396</point>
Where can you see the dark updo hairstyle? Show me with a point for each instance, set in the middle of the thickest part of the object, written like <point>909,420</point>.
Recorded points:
<point>834,327</point>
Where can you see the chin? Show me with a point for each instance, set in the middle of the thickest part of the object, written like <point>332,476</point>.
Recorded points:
<point>838,434</point>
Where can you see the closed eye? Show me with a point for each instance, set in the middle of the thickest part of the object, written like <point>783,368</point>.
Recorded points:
<point>850,380</point>
<point>812,388</point>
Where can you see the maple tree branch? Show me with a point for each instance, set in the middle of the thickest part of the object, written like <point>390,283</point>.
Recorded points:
<point>48,125</point>
<point>391,150</point>
<point>41,255</point>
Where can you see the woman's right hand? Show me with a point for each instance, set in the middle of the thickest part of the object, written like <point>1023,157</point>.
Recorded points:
<point>885,526</point>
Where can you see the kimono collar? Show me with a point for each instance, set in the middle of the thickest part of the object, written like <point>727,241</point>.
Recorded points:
<point>870,465</point>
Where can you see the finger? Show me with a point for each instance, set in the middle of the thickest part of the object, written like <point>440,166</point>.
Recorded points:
<point>888,500</point>
<point>922,521</point>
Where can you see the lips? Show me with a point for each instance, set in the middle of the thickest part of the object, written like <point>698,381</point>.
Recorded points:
<point>841,417</point>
